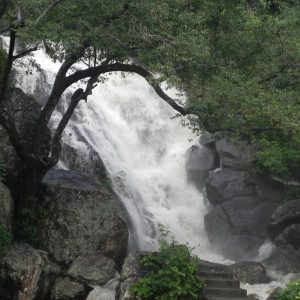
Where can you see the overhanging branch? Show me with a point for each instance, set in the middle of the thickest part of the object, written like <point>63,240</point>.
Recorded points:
<point>118,67</point>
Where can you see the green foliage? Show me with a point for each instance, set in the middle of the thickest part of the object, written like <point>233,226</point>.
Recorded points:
<point>249,87</point>
<point>5,239</point>
<point>170,274</point>
<point>290,292</point>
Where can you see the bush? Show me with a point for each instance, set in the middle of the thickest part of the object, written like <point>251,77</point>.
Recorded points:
<point>5,239</point>
<point>290,292</point>
<point>171,274</point>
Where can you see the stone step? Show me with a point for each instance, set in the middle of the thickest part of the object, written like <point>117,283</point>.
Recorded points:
<point>214,268</point>
<point>212,297</point>
<point>226,292</point>
<point>214,274</point>
<point>221,283</point>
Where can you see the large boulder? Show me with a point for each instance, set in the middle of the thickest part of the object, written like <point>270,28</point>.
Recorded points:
<point>26,112</point>
<point>225,184</point>
<point>82,217</point>
<point>284,226</point>
<point>6,207</point>
<point>27,274</point>
<point>92,270</point>
<point>200,160</point>
<point>237,222</point>
<point>249,272</point>
<point>238,156</point>
<point>65,289</point>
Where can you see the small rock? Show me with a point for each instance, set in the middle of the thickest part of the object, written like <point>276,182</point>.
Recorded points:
<point>92,269</point>
<point>106,292</point>
<point>65,289</point>
<point>273,295</point>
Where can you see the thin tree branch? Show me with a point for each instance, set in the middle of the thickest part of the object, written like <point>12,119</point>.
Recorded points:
<point>46,11</point>
<point>25,52</point>
<point>118,67</point>
<point>78,95</point>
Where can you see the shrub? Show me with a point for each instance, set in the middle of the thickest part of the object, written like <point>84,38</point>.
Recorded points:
<point>171,273</point>
<point>290,292</point>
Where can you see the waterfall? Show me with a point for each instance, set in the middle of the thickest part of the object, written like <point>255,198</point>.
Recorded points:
<point>142,146</point>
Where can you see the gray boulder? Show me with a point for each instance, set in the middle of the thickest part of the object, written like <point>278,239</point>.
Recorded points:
<point>27,274</point>
<point>130,273</point>
<point>284,226</point>
<point>65,289</point>
<point>107,292</point>
<point>200,160</point>
<point>82,217</point>
<point>238,156</point>
<point>238,227</point>
<point>92,270</point>
<point>249,272</point>
<point>6,207</point>
<point>225,184</point>
<point>208,140</point>
<point>274,294</point>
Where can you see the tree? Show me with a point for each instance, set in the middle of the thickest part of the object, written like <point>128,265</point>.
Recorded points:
<point>107,36</point>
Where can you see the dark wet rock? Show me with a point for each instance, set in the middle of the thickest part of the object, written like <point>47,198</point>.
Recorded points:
<point>200,160</point>
<point>238,227</point>
<point>249,272</point>
<point>274,294</point>
<point>283,260</point>
<point>6,207</point>
<point>130,273</point>
<point>82,217</point>
<point>26,273</point>
<point>238,156</point>
<point>65,289</point>
<point>225,184</point>
<point>207,139</point>
<point>72,180</point>
<point>92,270</point>
<point>284,226</point>
<point>26,112</point>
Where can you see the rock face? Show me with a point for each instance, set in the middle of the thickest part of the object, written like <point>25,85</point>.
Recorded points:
<point>238,156</point>
<point>94,270</point>
<point>249,272</point>
<point>27,274</point>
<point>82,218</point>
<point>6,207</point>
<point>241,202</point>
<point>26,112</point>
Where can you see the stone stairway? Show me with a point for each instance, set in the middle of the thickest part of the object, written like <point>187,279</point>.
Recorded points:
<point>220,284</point>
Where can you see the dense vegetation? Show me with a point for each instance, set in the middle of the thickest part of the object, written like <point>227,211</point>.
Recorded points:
<point>247,86</point>
<point>238,62</point>
<point>170,274</point>
<point>291,291</point>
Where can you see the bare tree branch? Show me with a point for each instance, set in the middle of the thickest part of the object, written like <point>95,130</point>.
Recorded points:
<point>25,52</point>
<point>46,11</point>
<point>118,67</point>
<point>78,95</point>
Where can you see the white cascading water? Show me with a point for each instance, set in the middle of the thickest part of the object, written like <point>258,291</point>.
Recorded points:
<point>143,149</point>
